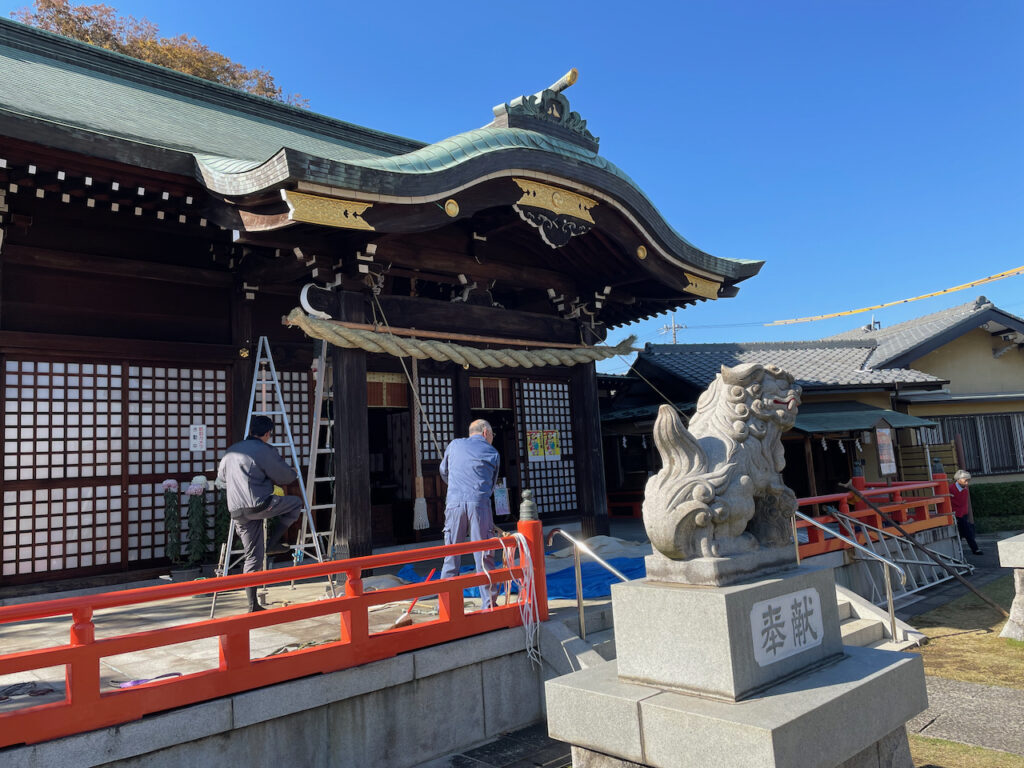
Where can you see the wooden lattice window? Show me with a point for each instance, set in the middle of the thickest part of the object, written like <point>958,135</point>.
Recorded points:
<point>490,394</point>
<point>545,405</point>
<point>57,529</point>
<point>163,404</point>
<point>438,407</point>
<point>386,390</point>
<point>62,466</point>
<point>61,420</point>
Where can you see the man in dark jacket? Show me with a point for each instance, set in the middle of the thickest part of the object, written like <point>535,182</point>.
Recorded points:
<point>249,471</point>
<point>469,469</point>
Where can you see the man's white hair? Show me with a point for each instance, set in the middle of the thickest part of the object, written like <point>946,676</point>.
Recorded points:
<point>961,474</point>
<point>480,426</point>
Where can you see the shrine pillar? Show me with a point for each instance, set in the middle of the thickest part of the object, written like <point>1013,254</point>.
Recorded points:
<point>353,529</point>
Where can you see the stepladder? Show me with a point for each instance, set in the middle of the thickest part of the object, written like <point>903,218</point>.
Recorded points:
<point>266,399</point>
<point>320,478</point>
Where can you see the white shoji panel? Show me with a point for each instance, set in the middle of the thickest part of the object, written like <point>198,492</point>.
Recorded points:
<point>163,402</point>
<point>58,529</point>
<point>61,420</point>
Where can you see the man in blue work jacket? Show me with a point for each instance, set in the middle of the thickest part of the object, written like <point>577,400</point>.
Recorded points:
<point>470,469</point>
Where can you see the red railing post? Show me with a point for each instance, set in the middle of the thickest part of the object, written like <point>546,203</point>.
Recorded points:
<point>944,506</point>
<point>533,532</point>
<point>83,631</point>
<point>355,622</point>
<point>82,676</point>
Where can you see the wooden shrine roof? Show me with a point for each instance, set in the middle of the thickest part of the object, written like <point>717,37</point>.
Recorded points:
<point>260,160</point>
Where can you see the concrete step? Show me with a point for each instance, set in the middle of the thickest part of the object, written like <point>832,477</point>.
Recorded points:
<point>603,642</point>
<point>905,645</point>
<point>598,618</point>
<point>845,609</point>
<point>861,632</point>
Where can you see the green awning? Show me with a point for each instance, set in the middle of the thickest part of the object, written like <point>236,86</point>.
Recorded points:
<point>850,416</point>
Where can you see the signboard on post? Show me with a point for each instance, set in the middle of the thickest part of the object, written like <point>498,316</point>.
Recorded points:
<point>501,502</point>
<point>886,452</point>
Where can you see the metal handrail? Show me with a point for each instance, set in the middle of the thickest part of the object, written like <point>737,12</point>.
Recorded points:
<point>874,555</point>
<point>578,545</point>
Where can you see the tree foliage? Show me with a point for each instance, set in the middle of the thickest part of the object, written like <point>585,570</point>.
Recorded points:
<point>101,25</point>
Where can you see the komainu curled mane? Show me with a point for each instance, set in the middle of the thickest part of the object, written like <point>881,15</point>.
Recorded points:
<point>720,491</point>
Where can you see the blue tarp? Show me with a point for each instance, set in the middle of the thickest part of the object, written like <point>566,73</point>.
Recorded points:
<point>408,573</point>
<point>596,580</point>
<point>562,583</point>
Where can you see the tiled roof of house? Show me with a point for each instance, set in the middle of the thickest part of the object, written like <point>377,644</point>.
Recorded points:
<point>814,364</point>
<point>901,343</point>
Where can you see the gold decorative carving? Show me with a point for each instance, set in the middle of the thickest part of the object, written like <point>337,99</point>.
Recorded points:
<point>560,202</point>
<point>641,252</point>
<point>701,286</point>
<point>327,211</point>
<point>451,208</point>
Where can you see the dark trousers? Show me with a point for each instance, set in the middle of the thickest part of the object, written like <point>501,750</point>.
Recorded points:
<point>965,528</point>
<point>250,530</point>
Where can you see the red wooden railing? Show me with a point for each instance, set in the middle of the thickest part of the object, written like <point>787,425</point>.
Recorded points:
<point>86,706</point>
<point>913,513</point>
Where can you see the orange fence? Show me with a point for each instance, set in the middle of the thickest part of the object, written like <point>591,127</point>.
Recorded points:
<point>915,506</point>
<point>86,706</point>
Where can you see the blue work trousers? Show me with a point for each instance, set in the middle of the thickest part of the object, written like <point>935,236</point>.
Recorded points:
<point>475,519</point>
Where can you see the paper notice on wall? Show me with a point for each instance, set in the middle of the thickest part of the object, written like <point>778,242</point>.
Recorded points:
<point>535,444</point>
<point>197,438</point>
<point>552,445</point>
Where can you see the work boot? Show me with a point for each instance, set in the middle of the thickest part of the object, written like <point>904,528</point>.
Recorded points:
<point>254,602</point>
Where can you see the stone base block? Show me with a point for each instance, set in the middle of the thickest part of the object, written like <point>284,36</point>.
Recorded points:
<point>1014,628</point>
<point>891,751</point>
<point>853,709</point>
<point>1011,551</point>
<point>726,642</point>
<point>720,571</point>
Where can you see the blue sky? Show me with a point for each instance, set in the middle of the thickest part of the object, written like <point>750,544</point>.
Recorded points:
<point>867,151</point>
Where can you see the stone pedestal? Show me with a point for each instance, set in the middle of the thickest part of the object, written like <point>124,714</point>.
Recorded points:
<point>1011,555</point>
<point>718,641</point>
<point>751,674</point>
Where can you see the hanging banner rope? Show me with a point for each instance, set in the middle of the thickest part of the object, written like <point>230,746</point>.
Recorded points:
<point>383,342</point>
<point>972,284</point>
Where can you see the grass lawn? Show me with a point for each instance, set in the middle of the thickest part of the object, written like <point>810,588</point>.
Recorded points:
<point>937,753</point>
<point>964,643</point>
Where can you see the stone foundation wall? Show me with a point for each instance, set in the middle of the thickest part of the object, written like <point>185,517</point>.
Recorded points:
<point>396,712</point>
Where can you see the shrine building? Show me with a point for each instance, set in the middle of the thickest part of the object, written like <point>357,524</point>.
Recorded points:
<point>153,226</point>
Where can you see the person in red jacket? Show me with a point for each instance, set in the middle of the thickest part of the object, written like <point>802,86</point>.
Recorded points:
<point>961,501</point>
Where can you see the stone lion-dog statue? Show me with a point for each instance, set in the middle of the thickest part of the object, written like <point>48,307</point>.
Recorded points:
<point>720,493</point>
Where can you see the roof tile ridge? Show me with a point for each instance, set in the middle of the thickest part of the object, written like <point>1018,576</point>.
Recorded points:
<point>102,61</point>
<point>751,346</point>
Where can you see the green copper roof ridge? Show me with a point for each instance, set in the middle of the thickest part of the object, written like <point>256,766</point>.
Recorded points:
<point>112,64</point>
<point>441,156</point>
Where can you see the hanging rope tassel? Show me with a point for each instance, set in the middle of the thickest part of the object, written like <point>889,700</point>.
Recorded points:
<point>529,613</point>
